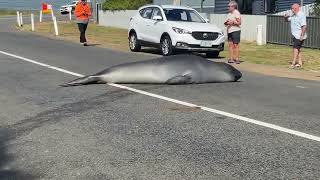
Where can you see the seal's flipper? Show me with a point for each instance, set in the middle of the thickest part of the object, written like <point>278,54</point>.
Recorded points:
<point>82,81</point>
<point>186,79</point>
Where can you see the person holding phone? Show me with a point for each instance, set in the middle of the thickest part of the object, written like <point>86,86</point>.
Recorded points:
<point>298,22</point>
<point>82,13</point>
<point>233,23</point>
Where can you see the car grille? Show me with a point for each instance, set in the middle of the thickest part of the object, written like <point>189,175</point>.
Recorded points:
<point>205,35</point>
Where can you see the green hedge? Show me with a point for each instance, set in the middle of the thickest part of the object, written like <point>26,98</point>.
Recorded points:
<point>316,8</point>
<point>114,5</point>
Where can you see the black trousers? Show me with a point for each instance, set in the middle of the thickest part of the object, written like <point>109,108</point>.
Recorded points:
<point>82,28</point>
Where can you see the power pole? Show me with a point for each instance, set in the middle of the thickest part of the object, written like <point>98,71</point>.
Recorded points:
<point>94,8</point>
<point>301,3</point>
<point>201,6</point>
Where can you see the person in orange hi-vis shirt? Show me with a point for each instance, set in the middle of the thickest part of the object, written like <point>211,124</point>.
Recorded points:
<point>82,13</point>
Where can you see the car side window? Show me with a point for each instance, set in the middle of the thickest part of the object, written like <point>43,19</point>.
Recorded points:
<point>156,12</point>
<point>147,13</point>
<point>184,16</point>
<point>141,12</point>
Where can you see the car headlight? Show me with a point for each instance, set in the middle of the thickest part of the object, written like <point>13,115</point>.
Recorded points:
<point>181,31</point>
<point>221,33</point>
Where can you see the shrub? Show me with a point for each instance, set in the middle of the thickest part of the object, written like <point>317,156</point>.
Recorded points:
<point>114,5</point>
<point>316,8</point>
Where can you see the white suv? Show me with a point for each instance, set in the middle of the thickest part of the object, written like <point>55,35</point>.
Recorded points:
<point>174,28</point>
<point>69,7</point>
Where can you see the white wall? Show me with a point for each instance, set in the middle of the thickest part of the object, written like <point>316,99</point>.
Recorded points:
<point>248,26</point>
<point>119,19</point>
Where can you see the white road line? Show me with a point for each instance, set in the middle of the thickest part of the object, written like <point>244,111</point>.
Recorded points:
<point>302,87</point>
<point>42,64</point>
<point>215,111</point>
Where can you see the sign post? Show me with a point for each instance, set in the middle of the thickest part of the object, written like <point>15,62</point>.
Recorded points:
<point>32,22</point>
<point>55,24</point>
<point>40,20</point>
<point>21,19</point>
<point>18,19</point>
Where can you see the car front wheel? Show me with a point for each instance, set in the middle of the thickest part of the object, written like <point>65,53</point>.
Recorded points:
<point>134,43</point>
<point>166,46</point>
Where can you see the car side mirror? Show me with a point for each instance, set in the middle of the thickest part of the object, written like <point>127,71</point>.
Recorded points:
<point>207,20</point>
<point>157,18</point>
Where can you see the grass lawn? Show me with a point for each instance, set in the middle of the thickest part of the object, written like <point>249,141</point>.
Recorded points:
<point>113,38</point>
<point>270,54</point>
<point>10,12</point>
<point>7,12</point>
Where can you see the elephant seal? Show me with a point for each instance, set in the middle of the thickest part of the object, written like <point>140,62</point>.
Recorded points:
<point>179,69</point>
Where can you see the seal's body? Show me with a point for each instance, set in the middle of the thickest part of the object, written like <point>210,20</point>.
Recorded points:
<point>180,69</point>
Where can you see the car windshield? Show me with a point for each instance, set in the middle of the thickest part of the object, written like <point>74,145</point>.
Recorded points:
<point>185,15</point>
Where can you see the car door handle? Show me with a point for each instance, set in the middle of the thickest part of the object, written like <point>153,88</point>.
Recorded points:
<point>148,24</point>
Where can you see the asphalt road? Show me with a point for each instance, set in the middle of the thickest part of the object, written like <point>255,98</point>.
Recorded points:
<point>104,132</point>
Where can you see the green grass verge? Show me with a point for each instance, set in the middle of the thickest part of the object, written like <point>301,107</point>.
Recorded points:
<point>10,12</point>
<point>7,12</point>
<point>270,54</point>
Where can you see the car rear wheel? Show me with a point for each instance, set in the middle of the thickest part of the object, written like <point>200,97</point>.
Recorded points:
<point>213,54</point>
<point>134,43</point>
<point>166,46</point>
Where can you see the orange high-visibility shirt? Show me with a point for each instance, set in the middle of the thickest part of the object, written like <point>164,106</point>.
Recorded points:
<point>82,11</point>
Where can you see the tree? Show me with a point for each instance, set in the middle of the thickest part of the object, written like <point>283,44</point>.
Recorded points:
<point>316,8</point>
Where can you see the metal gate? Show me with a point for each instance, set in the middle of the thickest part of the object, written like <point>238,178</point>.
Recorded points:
<point>278,31</point>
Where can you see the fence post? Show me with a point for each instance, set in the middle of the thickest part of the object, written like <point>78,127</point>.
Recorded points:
<point>55,24</point>
<point>18,19</point>
<point>70,13</point>
<point>32,22</point>
<point>40,20</point>
<point>259,35</point>
<point>21,19</point>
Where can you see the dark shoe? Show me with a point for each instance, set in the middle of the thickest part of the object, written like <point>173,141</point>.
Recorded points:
<point>237,61</point>
<point>85,44</point>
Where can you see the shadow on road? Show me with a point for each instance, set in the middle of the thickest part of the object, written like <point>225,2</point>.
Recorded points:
<point>93,45</point>
<point>6,173</point>
<point>157,51</point>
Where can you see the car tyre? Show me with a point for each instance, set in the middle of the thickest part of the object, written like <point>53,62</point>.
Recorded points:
<point>134,44</point>
<point>213,54</point>
<point>166,46</point>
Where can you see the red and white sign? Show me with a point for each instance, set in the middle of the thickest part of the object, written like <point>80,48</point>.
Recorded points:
<point>46,8</point>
